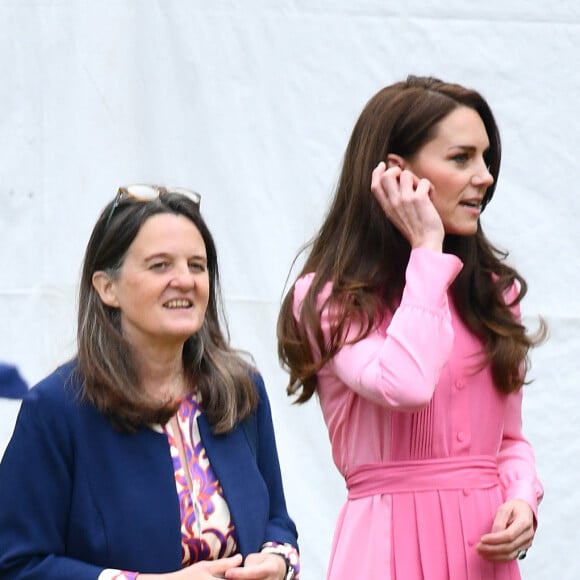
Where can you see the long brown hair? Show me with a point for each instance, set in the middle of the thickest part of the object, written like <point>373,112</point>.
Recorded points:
<point>105,362</point>
<point>365,256</point>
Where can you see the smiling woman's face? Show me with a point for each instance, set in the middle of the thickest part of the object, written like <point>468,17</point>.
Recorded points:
<point>162,288</point>
<point>453,161</point>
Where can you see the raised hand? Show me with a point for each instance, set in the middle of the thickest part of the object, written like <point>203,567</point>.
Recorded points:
<point>405,199</point>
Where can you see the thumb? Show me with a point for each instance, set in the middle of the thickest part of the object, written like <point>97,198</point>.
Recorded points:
<point>502,519</point>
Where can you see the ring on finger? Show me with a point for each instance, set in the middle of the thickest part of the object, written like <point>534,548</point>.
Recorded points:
<point>521,554</point>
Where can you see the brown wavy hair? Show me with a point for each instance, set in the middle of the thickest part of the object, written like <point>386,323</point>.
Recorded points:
<point>365,256</point>
<point>105,361</point>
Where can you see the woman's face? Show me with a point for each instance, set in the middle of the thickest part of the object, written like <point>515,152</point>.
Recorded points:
<point>162,288</point>
<point>453,162</point>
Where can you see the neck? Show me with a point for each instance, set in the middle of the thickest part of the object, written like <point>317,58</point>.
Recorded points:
<point>161,373</point>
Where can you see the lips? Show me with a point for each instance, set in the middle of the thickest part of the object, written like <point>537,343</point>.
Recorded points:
<point>472,203</point>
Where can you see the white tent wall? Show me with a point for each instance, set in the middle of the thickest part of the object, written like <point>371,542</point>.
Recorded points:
<point>252,104</point>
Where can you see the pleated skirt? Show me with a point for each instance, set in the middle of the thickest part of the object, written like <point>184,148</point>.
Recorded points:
<point>417,535</point>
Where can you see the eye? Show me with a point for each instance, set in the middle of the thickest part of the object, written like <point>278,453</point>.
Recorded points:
<point>197,266</point>
<point>159,266</point>
<point>460,158</point>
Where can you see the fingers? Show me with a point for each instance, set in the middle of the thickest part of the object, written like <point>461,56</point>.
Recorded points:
<point>512,532</point>
<point>205,569</point>
<point>218,568</point>
<point>405,200</point>
<point>502,519</point>
<point>259,566</point>
<point>391,185</point>
<point>504,553</point>
<point>383,183</point>
<point>412,186</point>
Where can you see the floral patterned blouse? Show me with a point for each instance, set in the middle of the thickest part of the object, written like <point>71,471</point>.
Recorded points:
<point>207,530</point>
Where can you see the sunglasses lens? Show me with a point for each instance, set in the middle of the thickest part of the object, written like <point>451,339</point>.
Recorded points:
<point>193,195</point>
<point>142,192</point>
<point>145,192</point>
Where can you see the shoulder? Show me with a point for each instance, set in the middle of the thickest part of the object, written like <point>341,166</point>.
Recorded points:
<point>303,284</point>
<point>263,399</point>
<point>302,287</point>
<point>47,419</point>
<point>263,410</point>
<point>59,389</point>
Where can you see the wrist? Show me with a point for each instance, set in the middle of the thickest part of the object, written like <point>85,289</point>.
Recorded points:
<point>289,571</point>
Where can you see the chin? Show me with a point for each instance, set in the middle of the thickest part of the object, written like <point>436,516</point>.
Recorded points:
<point>183,333</point>
<point>466,231</point>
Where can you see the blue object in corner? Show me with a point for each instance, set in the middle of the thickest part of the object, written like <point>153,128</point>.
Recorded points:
<point>12,385</point>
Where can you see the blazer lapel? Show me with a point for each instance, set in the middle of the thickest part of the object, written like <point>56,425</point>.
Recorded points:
<point>245,491</point>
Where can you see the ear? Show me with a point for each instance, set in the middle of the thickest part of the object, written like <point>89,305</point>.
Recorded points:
<point>394,160</point>
<point>105,287</point>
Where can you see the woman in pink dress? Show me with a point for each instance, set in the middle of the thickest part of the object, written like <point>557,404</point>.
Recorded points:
<point>405,322</point>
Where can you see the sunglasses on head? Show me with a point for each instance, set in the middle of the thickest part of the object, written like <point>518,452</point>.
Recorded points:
<point>144,192</point>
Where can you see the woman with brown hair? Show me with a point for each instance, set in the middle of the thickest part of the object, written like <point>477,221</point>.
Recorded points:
<point>151,454</point>
<point>405,322</point>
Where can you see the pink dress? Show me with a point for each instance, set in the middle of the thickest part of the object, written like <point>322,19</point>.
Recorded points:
<point>429,448</point>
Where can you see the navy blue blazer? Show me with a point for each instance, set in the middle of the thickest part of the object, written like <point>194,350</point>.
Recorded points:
<point>77,496</point>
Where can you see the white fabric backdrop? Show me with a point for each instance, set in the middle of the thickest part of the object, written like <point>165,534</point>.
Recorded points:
<point>252,104</point>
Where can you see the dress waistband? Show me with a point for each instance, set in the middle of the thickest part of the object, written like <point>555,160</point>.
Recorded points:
<point>474,472</point>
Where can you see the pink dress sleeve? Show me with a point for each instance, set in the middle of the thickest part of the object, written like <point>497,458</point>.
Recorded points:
<point>516,459</point>
<point>398,364</point>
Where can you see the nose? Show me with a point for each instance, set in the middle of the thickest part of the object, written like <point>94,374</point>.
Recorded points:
<point>182,277</point>
<point>482,177</point>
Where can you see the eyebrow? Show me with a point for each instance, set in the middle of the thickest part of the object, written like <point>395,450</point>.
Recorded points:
<point>463,147</point>
<point>169,255</point>
<point>468,148</point>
